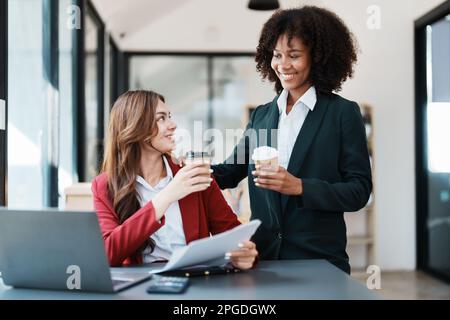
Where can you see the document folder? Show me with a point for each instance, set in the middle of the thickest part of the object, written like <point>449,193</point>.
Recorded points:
<point>210,252</point>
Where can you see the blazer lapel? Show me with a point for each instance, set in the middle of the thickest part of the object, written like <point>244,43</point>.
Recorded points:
<point>272,124</point>
<point>189,208</point>
<point>304,139</point>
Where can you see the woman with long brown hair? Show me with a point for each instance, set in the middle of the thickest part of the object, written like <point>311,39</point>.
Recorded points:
<point>147,206</point>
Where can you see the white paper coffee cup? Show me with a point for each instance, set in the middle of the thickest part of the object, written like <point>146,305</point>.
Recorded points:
<point>265,156</point>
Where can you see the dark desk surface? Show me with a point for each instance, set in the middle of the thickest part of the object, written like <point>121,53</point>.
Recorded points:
<point>271,280</point>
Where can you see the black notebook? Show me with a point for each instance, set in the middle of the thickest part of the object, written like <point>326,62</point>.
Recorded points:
<point>197,271</point>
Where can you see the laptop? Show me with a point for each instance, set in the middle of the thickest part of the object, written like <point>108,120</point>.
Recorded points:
<point>62,250</point>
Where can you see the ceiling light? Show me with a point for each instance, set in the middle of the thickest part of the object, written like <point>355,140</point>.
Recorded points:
<point>263,4</point>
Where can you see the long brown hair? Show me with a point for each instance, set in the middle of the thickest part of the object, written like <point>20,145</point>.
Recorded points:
<point>132,121</point>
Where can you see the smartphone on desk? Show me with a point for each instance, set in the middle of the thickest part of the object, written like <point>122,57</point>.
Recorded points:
<point>167,284</point>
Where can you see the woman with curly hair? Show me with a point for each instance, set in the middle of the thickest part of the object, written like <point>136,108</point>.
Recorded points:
<point>324,167</point>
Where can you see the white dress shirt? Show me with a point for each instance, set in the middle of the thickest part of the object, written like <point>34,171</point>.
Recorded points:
<point>289,125</point>
<point>171,234</point>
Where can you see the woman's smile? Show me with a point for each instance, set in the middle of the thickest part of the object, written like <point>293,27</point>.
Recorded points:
<point>170,137</point>
<point>286,76</point>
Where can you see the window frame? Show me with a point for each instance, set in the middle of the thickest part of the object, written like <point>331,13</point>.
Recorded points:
<point>3,96</point>
<point>118,67</point>
<point>50,55</point>
<point>86,7</point>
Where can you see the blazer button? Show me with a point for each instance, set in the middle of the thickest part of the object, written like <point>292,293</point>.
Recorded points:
<point>280,235</point>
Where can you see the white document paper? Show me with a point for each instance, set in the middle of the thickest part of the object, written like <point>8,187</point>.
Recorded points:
<point>210,251</point>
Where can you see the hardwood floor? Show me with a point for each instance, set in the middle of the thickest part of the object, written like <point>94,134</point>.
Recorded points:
<point>409,285</point>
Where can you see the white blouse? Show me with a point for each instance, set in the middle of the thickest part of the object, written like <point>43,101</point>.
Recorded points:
<point>289,125</point>
<point>171,234</point>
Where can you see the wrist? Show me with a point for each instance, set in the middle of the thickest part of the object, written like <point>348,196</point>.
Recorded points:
<point>300,187</point>
<point>164,198</point>
<point>161,203</point>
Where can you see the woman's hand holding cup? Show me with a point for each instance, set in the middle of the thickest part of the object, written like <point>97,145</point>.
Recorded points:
<point>193,177</point>
<point>269,175</point>
<point>266,159</point>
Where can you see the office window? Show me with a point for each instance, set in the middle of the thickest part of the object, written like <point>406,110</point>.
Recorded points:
<point>438,115</point>
<point>432,45</point>
<point>438,110</point>
<point>26,104</point>
<point>41,152</point>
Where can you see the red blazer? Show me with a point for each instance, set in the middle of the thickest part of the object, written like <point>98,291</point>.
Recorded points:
<point>202,213</point>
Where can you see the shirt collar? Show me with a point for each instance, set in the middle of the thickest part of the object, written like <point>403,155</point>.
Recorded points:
<point>163,182</point>
<point>168,170</point>
<point>309,98</point>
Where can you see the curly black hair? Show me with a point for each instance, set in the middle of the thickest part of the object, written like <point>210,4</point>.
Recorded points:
<point>332,46</point>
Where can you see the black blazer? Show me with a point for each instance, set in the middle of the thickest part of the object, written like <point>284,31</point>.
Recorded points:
<point>330,155</point>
